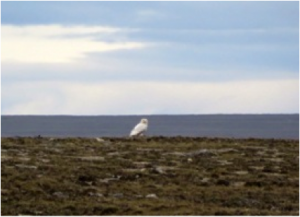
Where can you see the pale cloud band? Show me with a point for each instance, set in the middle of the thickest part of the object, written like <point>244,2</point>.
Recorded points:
<point>57,43</point>
<point>115,98</point>
<point>47,69</point>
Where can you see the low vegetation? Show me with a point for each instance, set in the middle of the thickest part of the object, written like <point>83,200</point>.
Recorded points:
<point>149,176</point>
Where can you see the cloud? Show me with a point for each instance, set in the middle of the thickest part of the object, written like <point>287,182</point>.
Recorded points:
<point>115,98</point>
<point>196,57</point>
<point>57,43</point>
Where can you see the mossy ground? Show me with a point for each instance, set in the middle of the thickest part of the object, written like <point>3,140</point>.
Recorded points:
<point>149,176</point>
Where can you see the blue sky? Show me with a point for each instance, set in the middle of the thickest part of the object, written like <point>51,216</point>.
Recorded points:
<point>98,58</point>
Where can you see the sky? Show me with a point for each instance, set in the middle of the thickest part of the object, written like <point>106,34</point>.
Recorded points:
<point>133,58</point>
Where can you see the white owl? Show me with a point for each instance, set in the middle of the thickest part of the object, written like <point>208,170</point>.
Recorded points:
<point>140,128</point>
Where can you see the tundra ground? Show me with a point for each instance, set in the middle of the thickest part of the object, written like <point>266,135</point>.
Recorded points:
<point>149,176</point>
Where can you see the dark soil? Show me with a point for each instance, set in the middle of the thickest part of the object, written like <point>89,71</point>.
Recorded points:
<point>149,176</point>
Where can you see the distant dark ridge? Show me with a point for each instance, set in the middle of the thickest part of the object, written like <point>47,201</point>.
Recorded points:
<point>188,139</point>
<point>161,139</point>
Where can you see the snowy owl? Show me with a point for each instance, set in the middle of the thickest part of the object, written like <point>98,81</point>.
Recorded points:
<point>140,128</point>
